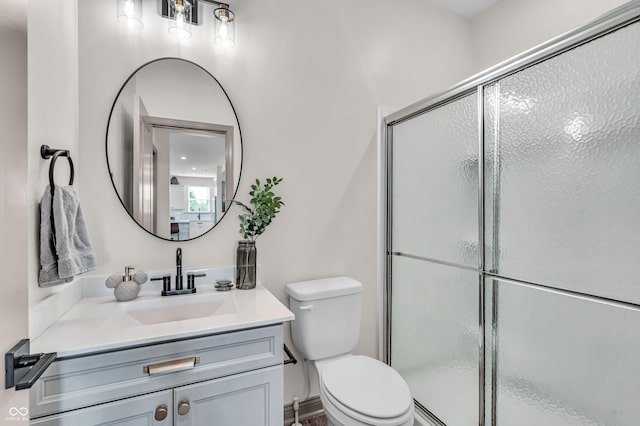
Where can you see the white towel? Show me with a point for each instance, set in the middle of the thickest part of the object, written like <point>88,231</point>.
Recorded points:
<point>69,253</point>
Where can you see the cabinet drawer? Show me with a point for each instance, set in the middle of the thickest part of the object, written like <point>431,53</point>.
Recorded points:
<point>198,228</point>
<point>78,382</point>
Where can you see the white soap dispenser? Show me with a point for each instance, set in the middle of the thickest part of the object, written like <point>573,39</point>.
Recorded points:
<point>126,287</point>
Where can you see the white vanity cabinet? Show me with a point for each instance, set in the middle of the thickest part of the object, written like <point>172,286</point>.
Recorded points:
<point>227,379</point>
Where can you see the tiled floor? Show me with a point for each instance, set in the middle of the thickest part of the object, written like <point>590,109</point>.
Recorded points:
<point>315,421</point>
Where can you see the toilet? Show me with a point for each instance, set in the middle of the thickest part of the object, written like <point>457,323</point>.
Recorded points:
<point>355,390</point>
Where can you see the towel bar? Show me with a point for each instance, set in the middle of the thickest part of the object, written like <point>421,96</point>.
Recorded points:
<point>22,369</point>
<point>292,359</point>
<point>46,153</point>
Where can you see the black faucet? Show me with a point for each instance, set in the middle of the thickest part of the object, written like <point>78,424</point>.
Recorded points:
<point>179,269</point>
<point>179,289</point>
<point>166,280</point>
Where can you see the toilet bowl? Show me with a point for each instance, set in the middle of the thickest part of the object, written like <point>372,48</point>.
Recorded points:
<point>355,390</point>
<point>359,390</point>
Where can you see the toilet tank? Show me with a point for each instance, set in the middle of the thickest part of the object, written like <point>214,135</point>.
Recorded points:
<point>327,314</point>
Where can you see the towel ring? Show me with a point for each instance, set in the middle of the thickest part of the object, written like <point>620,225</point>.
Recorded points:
<point>47,153</point>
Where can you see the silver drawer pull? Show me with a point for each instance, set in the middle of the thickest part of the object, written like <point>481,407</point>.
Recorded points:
<point>171,366</point>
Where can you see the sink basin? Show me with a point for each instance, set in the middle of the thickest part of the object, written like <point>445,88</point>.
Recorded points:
<point>179,308</point>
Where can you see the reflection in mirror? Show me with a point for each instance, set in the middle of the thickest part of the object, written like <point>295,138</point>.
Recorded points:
<point>174,149</point>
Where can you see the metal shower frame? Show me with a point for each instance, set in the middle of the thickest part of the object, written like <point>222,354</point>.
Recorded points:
<point>620,17</point>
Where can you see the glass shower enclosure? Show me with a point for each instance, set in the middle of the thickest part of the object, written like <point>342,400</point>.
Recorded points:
<point>513,237</point>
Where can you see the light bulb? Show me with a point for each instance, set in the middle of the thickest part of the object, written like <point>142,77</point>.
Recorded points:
<point>224,26</point>
<point>180,21</point>
<point>179,27</point>
<point>129,8</point>
<point>224,31</point>
<point>130,12</point>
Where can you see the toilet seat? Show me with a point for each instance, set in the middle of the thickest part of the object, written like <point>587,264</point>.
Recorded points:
<point>365,390</point>
<point>343,415</point>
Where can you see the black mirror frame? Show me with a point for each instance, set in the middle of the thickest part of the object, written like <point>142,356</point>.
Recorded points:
<point>225,211</point>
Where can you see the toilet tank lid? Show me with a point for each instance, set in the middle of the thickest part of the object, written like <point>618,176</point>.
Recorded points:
<point>323,288</point>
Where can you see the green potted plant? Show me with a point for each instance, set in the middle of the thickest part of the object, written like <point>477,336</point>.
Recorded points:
<point>265,205</point>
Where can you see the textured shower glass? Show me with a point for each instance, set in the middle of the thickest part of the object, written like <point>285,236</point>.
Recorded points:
<point>565,360</point>
<point>434,337</point>
<point>562,149</point>
<point>435,184</point>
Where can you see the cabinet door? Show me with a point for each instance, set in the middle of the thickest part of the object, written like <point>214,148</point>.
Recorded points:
<point>198,228</point>
<point>178,197</point>
<point>184,231</point>
<point>254,398</point>
<point>139,411</point>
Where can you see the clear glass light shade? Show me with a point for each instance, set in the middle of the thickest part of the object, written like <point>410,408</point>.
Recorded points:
<point>224,26</point>
<point>130,12</point>
<point>180,26</point>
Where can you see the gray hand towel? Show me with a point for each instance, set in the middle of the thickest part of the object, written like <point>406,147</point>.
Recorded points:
<point>69,252</point>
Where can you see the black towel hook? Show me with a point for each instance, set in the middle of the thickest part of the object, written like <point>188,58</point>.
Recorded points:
<point>46,153</point>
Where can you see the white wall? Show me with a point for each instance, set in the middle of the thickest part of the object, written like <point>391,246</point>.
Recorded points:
<point>13,188</point>
<point>513,26</point>
<point>306,89</point>
<point>52,111</point>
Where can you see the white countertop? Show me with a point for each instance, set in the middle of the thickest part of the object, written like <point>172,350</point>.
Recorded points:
<point>97,324</point>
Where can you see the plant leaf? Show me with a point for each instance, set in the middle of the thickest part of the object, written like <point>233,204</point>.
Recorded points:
<point>265,208</point>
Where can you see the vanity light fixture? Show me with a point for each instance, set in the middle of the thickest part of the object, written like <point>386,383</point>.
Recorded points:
<point>181,11</point>
<point>224,26</point>
<point>183,14</point>
<point>130,12</point>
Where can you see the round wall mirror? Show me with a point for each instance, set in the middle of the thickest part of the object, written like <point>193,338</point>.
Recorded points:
<point>174,149</point>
